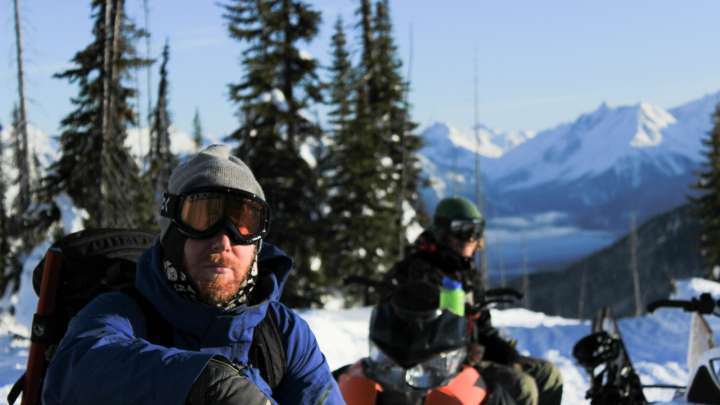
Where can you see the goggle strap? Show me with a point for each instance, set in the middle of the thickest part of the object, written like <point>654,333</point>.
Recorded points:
<point>169,205</point>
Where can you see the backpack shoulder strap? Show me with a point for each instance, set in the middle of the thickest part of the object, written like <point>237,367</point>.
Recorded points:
<point>267,351</point>
<point>159,330</point>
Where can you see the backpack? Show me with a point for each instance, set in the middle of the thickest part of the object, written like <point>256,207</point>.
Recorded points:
<point>84,264</point>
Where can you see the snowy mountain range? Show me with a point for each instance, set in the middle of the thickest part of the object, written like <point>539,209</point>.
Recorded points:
<point>590,175</point>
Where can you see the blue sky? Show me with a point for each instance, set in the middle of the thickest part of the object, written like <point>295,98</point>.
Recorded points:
<point>540,63</point>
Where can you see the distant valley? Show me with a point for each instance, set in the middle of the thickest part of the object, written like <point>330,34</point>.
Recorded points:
<point>555,195</point>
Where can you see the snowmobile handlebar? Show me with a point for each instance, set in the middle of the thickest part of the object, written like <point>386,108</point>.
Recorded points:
<point>704,304</point>
<point>504,293</point>
<point>501,300</point>
<point>496,296</point>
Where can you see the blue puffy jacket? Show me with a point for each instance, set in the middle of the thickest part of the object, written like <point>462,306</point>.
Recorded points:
<point>104,359</point>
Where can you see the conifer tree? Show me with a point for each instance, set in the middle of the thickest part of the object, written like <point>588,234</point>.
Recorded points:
<point>370,155</point>
<point>360,208</point>
<point>367,87</point>
<point>342,82</point>
<point>395,125</point>
<point>19,219</point>
<point>197,130</point>
<point>707,203</point>
<point>336,168</point>
<point>162,160</point>
<point>22,199</point>
<point>93,135</point>
<point>278,86</point>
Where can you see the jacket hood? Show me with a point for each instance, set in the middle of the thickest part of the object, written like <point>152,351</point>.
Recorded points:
<point>205,324</point>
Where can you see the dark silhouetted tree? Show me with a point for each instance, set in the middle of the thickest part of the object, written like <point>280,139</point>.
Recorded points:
<point>707,203</point>
<point>197,133</point>
<point>278,86</point>
<point>162,160</point>
<point>96,169</point>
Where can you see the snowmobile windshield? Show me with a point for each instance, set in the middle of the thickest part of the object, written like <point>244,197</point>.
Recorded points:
<point>436,371</point>
<point>411,329</point>
<point>202,213</point>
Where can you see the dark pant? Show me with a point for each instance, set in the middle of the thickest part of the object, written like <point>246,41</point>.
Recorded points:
<point>530,381</point>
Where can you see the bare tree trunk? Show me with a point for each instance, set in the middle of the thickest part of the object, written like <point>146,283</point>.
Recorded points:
<point>581,295</point>
<point>526,278</point>
<point>105,123</point>
<point>146,12</point>
<point>138,124</point>
<point>634,267</point>
<point>503,281</point>
<point>114,79</point>
<point>23,161</point>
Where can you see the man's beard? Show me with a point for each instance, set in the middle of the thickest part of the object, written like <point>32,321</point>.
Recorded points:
<point>220,290</point>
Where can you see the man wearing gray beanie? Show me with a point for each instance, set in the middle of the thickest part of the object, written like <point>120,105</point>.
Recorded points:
<point>213,285</point>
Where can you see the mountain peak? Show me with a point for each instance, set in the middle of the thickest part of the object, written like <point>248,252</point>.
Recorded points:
<point>651,120</point>
<point>486,141</point>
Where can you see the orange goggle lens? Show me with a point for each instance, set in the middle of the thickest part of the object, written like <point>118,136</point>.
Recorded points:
<point>202,211</point>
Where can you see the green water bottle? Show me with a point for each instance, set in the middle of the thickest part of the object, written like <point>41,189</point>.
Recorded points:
<point>452,296</point>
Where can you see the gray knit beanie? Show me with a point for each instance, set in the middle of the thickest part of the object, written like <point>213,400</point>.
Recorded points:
<point>214,166</point>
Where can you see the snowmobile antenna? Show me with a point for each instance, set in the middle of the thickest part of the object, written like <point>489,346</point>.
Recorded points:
<point>482,257</point>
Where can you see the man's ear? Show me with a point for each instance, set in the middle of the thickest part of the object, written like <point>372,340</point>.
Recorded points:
<point>481,244</point>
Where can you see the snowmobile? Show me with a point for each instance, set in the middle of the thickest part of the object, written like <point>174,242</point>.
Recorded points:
<point>613,377</point>
<point>417,355</point>
<point>703,359</point>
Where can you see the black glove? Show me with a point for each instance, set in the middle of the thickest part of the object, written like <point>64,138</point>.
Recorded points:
<point>221,383</point>
<point>497,349</point>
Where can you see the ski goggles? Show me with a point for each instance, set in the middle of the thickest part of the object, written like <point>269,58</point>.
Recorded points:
<point>202,213</point>
<point>467,229</point>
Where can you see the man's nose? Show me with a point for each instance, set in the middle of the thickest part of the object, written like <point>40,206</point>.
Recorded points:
<point>220,242</point>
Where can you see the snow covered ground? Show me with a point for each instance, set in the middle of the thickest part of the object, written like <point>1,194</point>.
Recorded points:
<point>657,342</point>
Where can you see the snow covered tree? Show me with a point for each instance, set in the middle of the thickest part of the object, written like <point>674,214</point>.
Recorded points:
<point>278,86</point>
<point>93,135</point>
<point>372,150</point>
<point>394,125</point>
<point>336,167</point>
<point>707,203</point>
<point>19,219</point>
<point>22,199</point>
<point>197,130</point>
<point>4,229</point>
<point>161,158</point>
